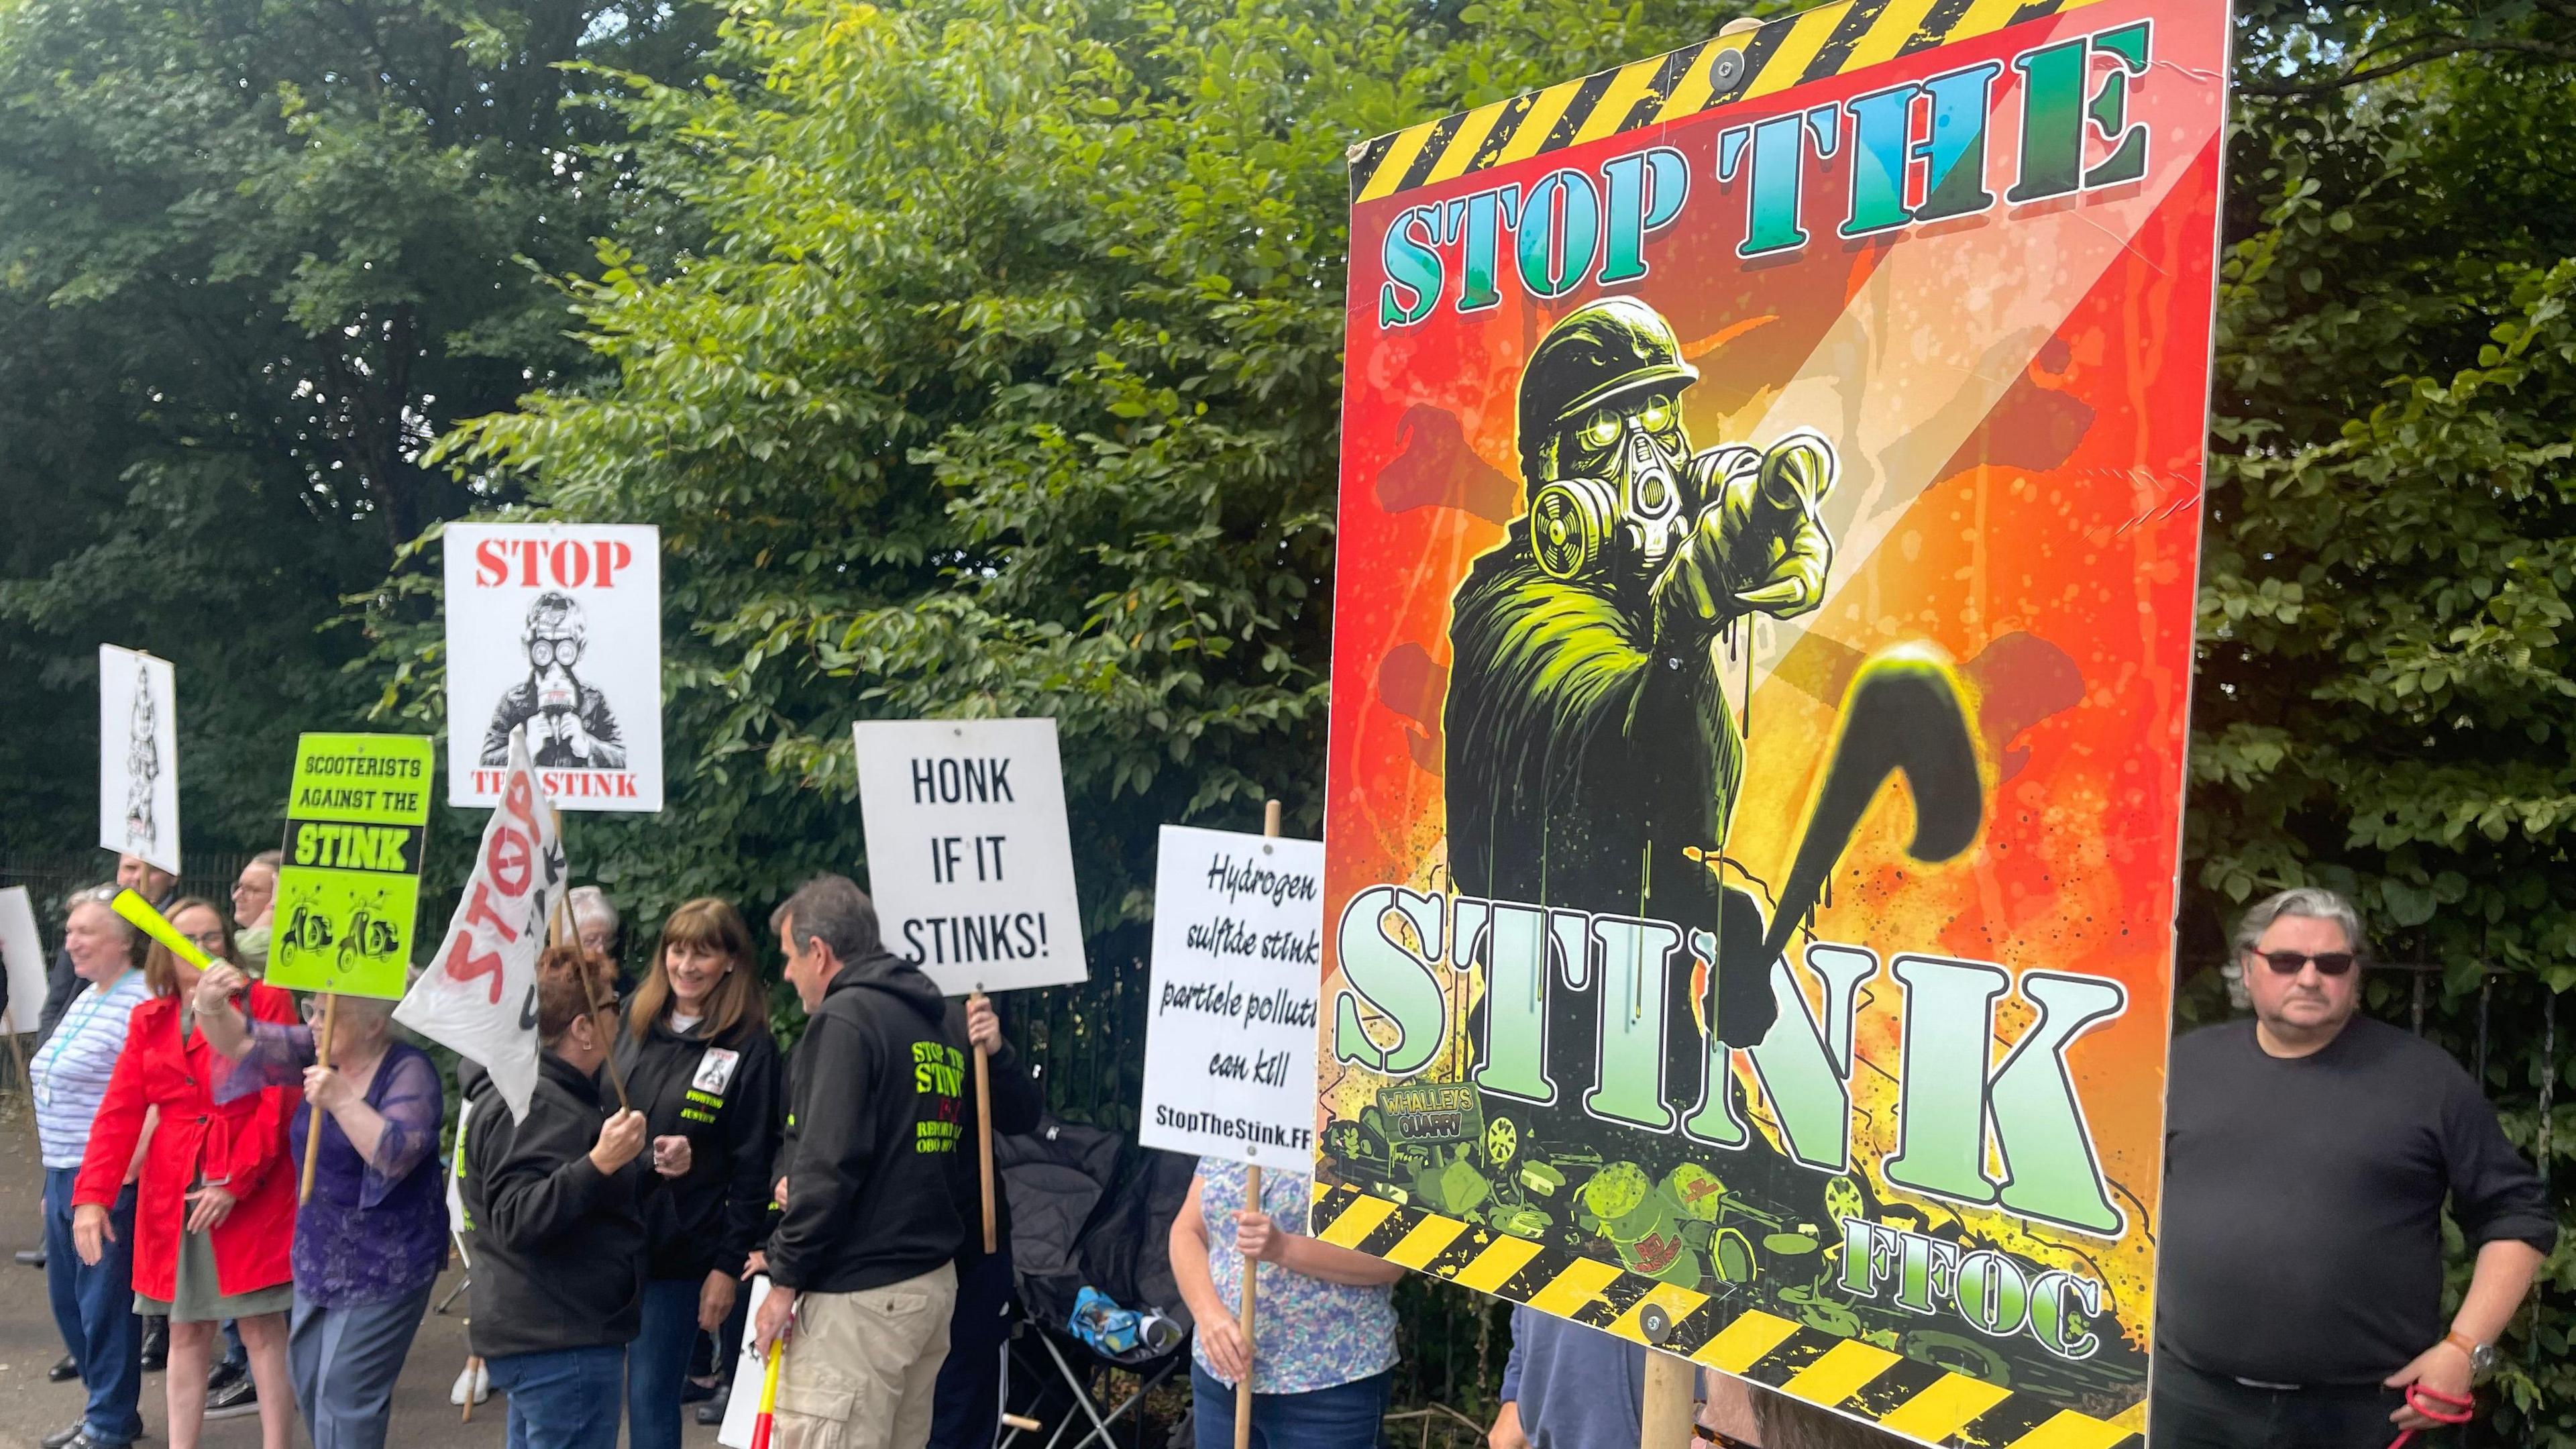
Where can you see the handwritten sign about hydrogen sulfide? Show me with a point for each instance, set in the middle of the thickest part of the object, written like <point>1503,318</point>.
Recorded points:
<point>969,857</point>
<point>357,815</point>
<point>1238,962</point>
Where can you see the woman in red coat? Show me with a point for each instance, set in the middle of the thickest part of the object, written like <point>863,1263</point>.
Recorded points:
<point>214,1221</point>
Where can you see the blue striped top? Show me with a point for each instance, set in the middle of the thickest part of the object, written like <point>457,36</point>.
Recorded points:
<point>72,1067</point>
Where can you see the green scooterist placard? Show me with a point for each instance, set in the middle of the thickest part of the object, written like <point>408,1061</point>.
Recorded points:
<point>349,890</point>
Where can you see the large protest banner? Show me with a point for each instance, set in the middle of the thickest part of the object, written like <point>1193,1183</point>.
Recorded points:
<point>555,628</point>
<point>1768,533</point>
<point>969,856</point>
<point>348,889</point>
<point>138,756</point>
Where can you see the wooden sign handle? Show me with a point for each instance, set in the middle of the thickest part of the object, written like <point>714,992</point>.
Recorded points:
<point>984,1132</point>
<point>1243,1319</point>
<point>1251,1278</point>
<point>558,927</point>
<point>1664,1417</point>
<point>313,1127</point>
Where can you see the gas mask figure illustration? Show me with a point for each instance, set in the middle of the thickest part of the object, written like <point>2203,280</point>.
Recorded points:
<point>569,723</point>
<point>142,768</point>
<point>1593,757</point>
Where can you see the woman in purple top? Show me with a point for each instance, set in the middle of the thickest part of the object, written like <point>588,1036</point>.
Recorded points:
<point>369,1243</point>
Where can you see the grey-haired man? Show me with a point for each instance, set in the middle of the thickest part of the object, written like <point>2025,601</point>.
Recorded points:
<point>2307,1156</point>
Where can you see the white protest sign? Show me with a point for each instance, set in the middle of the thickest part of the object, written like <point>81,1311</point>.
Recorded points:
<point>968,854</point>
<point>557,628</point>
<point>1238,963</point>
<point>138,756</point>
<point>478,995</point>
<point>22,952</point>
<point>742,1406</point>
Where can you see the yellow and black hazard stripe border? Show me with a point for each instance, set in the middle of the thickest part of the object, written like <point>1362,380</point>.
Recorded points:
<point>1792,50</point>
<point>1897,1393</point>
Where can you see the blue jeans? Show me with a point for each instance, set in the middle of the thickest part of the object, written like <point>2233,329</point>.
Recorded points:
<point>658,1359</point>
<point>564,1398</point>
<point>344,1362</point>
<point>94,1308</point>
<point>1344,1416</point>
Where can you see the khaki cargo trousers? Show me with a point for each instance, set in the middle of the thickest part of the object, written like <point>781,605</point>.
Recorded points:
<point>861,1368</point>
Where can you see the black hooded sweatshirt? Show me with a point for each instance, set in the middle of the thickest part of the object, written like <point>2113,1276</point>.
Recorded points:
<point>721,1094</point>
<point>876,1093</point>
<point>558,1248</point>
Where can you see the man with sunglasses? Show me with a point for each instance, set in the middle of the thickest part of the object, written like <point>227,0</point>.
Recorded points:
<point>569,723</point>
<point>2308,1154</point>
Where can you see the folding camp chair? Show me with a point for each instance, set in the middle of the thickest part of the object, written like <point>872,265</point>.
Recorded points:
<point>1087,1210</point>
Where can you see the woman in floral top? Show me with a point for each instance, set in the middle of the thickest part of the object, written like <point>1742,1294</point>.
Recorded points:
<point>371,1240</point>
<point>1326,1328</point>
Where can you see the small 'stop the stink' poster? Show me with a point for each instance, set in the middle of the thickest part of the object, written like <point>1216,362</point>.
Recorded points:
<point>557,628</point>
<point>1770,511</point>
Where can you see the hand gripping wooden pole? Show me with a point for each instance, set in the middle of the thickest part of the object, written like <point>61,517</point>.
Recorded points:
<point>313,1119</point>
<point>1251,1278</point>
<point>557,929</point>
<point>984,1129</point>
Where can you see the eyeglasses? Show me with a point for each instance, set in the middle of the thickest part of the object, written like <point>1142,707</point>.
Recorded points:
<point>548,651</point>
<point>210,942</point>
<point>2290,963</point>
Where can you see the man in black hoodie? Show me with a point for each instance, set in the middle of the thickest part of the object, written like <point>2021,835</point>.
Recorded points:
<point>861,1267</point>
<point>557,1202</point>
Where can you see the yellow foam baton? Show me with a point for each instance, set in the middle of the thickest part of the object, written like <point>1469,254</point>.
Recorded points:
<point>152,923</point>
<point>762,1426</point>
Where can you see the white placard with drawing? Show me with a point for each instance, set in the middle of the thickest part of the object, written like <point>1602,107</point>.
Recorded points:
<point>22,951</point>
<point>138,756</point>
<point>556,629</point>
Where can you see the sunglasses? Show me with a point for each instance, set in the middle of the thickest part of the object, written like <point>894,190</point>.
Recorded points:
<point>1707,1435</point>
<point>2290,963</point>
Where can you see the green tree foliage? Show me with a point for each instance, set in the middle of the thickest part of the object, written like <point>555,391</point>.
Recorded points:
<point>254,256</point>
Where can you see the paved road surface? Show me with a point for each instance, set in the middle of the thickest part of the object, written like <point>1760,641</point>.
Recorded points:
<point>31,1408</point>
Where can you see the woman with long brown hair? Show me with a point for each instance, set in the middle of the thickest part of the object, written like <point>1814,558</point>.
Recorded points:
<point>214,1226</point>
<point>699,1062</point>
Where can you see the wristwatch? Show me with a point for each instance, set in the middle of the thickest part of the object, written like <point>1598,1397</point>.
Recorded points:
<point>2482,1356</point>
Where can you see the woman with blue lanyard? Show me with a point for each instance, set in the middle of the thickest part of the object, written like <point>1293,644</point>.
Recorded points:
<point>93,1302</point>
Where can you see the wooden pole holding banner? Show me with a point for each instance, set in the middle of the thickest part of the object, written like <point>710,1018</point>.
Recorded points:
<point>984,1129</point>
<point>313,1128</point>
<point>556,931</point>
<point>1251,1278</point>
<point>1664,1417</point>
<point>473,1369</point>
